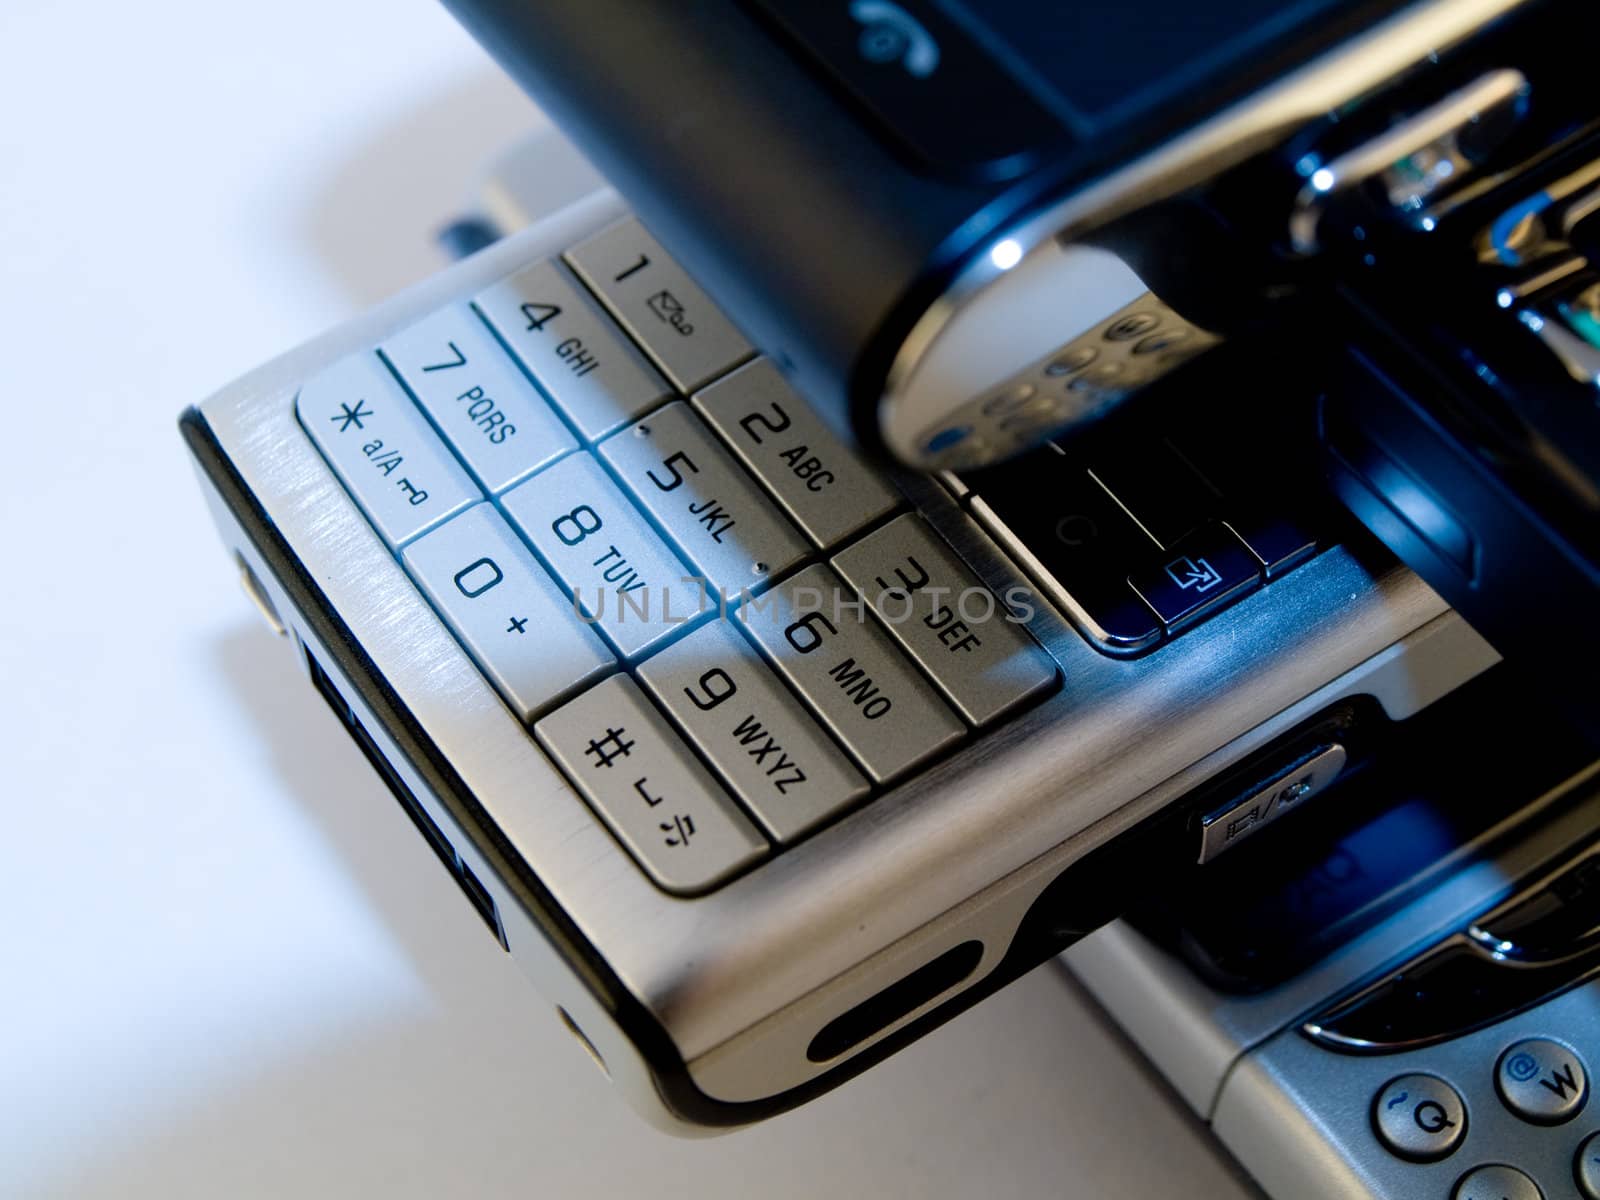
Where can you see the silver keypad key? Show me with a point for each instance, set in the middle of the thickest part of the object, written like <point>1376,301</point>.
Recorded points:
<point>613,564</point>
<point>466,382</point>
<point>646,785</point>
<point>595,376</point>
<point>816,631</point>
<point>828,491</point>
<point>383,448</point>
<point>655,300</point>
<point>955,628</point>
<point>723,522</point>
<point>770,750</point>
<point>506,610</point>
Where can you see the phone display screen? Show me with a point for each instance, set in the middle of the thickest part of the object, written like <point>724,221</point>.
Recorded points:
<point>1101,61</point>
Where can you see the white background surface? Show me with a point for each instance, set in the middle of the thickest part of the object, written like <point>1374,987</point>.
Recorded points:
<point>230,968</point>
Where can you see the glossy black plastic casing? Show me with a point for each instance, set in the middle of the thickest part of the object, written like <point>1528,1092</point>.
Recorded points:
<point>828,233</point>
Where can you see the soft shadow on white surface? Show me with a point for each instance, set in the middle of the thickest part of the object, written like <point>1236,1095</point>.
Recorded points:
<point>477,1091</point>
<point>373,218</point>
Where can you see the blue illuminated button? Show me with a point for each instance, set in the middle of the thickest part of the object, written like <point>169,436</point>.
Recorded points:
<point>1197,575</point>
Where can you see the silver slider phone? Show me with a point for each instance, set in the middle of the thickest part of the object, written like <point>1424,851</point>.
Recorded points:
<point>762,753</point>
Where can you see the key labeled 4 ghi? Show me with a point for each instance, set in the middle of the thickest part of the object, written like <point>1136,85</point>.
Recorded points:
<point>594,375</point>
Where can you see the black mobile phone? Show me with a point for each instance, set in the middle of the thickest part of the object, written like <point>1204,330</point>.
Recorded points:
<point>965,228</point>
<point>920,207</point>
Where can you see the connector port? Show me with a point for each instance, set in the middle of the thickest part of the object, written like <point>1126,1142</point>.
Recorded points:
<point>471,886</point>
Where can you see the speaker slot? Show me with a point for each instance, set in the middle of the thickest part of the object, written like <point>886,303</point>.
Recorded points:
<point>877,1013</point>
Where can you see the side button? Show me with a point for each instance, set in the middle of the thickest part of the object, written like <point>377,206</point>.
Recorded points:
<point>1226,828</point>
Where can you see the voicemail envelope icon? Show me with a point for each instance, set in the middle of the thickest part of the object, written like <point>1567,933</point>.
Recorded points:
<point>666,306</point>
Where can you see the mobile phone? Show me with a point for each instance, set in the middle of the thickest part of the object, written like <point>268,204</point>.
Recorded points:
<point>1397,1000</point>
<point>966,227</point>
<point>760,756</point>
<point>748,846</point>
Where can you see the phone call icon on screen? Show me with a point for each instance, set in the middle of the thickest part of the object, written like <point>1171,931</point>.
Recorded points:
<point>890,34</point>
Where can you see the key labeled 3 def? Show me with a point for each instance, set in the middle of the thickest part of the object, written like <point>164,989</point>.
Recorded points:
<point>959,632</point>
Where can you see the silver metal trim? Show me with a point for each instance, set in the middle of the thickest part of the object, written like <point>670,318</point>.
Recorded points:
<point>1220,831</point>
<point>1372,157</point>
<point>1354,68</point>
<point>996,821</point>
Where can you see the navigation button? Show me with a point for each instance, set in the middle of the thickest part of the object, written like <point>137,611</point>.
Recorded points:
<point>656,301</point>
<point>1197,575</point>
<point>1048,513</point>
<point>1542,1081</point>
<point>1419,1117</point>
<point>382,448</point>
<point>646,785</point>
